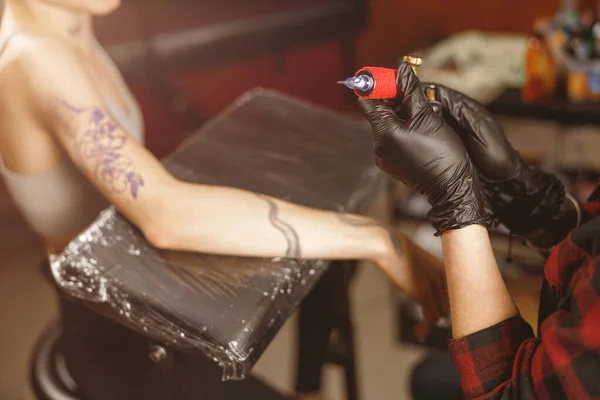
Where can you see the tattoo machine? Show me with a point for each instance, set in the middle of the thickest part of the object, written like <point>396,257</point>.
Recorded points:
<point>377,83</point>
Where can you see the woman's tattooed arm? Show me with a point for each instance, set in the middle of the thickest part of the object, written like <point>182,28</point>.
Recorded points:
<point>97,140</point>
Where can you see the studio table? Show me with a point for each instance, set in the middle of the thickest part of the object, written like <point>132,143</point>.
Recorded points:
<point>228,308</point>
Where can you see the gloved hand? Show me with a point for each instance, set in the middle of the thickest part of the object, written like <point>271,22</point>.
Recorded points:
<point>419,148</point>
<point>527,200</point>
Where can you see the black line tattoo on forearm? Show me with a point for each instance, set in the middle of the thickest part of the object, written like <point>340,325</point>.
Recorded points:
<point>353,220</point>
<point>97,139</point>
<point>291,236</point>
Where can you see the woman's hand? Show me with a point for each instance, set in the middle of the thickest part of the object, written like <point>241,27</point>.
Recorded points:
<point>420,275</point>
<point>415,145</point>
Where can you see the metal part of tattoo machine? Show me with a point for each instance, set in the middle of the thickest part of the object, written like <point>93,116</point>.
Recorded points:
<point>377,83</point>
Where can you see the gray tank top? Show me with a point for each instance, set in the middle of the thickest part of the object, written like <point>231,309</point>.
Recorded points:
<point>62,201</point>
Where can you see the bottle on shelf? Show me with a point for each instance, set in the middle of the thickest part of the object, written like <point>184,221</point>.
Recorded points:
<point>594,83</point>
<point>579,47</point>
<point>540,69</point>
<point>577,83</point>
<point>594,75</point>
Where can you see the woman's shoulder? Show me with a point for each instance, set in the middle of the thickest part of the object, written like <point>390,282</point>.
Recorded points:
<point>26,60</point>
<point>20,50</point>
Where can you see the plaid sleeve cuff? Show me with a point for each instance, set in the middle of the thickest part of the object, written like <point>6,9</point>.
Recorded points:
<point>484,359</point>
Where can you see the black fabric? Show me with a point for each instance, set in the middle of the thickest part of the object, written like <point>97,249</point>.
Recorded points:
<point>595,196</point>
<point>436,377</point>
<point>315,323</point>
<point>324,310</point>
<point>587,237</point>
<point>548,305</point>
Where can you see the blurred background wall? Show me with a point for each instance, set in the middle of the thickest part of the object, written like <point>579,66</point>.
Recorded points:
<point>402,26</point>
<point>298,46</point>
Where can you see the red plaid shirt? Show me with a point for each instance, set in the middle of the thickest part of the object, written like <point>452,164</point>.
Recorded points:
<point>507,361</point>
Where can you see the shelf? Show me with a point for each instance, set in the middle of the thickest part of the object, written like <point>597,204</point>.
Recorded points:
<point>562,111</point>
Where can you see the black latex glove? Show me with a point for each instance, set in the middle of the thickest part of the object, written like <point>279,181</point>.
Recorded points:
<point>414,144</point>
<point>527,200</point>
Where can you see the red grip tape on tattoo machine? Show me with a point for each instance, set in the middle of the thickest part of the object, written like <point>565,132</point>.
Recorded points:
<point>377,83</point>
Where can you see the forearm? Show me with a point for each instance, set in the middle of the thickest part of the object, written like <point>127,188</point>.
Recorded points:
<point>230,221</point>
<point>478,296</point>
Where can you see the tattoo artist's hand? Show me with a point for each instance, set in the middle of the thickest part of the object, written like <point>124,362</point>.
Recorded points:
<point>415,145</point>
<point>527,200</point>
<point>421,276</point>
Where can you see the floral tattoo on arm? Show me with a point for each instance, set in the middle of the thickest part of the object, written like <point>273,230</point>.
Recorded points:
<point>97,139</point>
